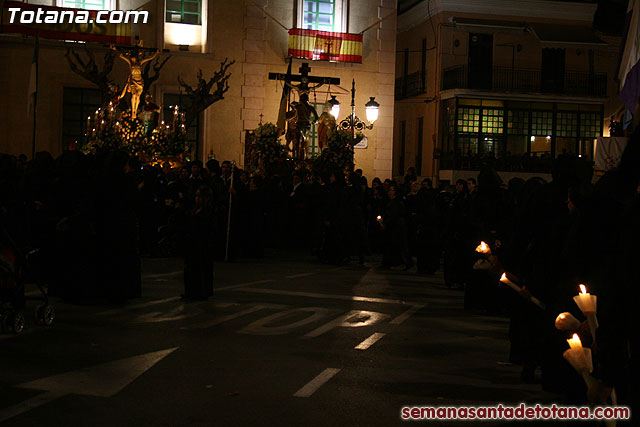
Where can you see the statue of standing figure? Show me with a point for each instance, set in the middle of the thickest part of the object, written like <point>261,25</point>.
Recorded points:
<point>299,121</point>
<point>326,123</point>
<point>135,83</point>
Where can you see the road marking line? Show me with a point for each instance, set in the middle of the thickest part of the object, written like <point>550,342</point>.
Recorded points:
<point>370,341</point>
<point>404,316</point>
<point>316,383</point>
<point>256,282</point>
<point>144,304</point>
<point>155,276</point>
<point>27,405</point>
<point>330,270</point>
<point>325,296</point>
<point>300,275</point>
<point>215,322</point>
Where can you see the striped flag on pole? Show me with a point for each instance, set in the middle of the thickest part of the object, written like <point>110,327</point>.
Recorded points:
<point>33,78</point>
<point>284,101</point>
<point>325,45</point>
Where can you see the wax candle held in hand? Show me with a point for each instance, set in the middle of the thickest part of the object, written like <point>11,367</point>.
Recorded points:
<point>483,248</point>
<point>588,304</point>
<point>580,358</point>
<point>567,322</point>
<point>504,279</point>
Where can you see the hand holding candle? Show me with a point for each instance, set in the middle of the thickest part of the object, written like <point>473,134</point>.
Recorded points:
<point>567,322</point>
<point>588,305</point>
<point>518,289</point>
<point>483,248</point>
<point>482,264</point>
<point>580,358</point>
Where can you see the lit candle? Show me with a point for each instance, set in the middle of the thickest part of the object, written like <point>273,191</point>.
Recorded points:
<point>574,342</point>
<point>580,358</point>
<point>588,304</point>
<point>504,279</point>
<point>483,248</point>
<point>379,218</point>
<point>567,322</point>
<point>586,301</point>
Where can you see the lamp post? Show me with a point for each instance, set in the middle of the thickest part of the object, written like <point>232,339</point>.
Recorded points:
<point>352,122</point>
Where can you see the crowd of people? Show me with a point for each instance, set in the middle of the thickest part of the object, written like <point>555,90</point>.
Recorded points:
<point>93,216</point>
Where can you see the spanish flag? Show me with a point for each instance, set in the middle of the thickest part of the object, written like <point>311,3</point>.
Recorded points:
<point>325,46</point>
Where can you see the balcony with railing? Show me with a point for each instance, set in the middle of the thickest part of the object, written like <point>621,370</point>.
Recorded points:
<point>411,85</point>
<point>506,79</point>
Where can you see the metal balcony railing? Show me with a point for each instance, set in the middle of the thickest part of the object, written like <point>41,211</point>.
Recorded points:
<point>410,86</point>
<point>522,81</point>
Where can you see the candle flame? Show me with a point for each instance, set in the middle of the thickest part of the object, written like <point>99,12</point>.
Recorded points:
<point>583,289</point>
<point>575,342</point>
<point>483,248</point>
<point>379,218</point>
<point>503,278</point>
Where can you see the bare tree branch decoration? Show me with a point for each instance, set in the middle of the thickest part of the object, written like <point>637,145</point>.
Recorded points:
<point>149,80</point>
<point>200,96</point>
<point>89,70</point>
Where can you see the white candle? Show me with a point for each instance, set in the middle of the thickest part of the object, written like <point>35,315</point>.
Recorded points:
<point>518,289</point>
<point>574,342</point>
<point>579,357</point>
<point>588,305</point>
<point>587,302</point>
<point>567,322</point>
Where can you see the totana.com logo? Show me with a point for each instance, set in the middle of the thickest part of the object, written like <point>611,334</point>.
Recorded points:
<point>53,16</point>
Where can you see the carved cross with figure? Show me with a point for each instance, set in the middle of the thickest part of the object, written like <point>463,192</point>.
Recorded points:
<point>302,114</point>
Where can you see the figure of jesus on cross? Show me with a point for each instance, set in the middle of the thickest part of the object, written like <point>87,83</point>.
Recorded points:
<point>135,83</point>
<point>302,114</point>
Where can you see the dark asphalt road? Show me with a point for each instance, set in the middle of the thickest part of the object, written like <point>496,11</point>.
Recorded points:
<point>276,345</point>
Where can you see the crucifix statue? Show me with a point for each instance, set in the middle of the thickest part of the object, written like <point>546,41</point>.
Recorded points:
<point>135,83</point>
<point>302,114</point>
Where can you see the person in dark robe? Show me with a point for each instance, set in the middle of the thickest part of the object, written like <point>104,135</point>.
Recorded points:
<point>355,218</point>
<point>377,201</point>
<point>255,200</point>
<point>411,203</point>
<point>427,238</point>
<point>396,250</point>
<point>455,255</point>
<point>200,247</point>
<point>333,248</point>
<point>117,230</point>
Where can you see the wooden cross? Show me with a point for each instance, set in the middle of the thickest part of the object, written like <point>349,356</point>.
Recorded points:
<point>304,78</point>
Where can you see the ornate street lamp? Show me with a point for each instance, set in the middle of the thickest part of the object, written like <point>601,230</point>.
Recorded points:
<point>353,122</point>
<point>335,107</point>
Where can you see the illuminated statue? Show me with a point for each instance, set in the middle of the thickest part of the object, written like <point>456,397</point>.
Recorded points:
<point>150,114</point>
<point>135,83</point>
<point>299,120</point>
<point>326,122</point>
